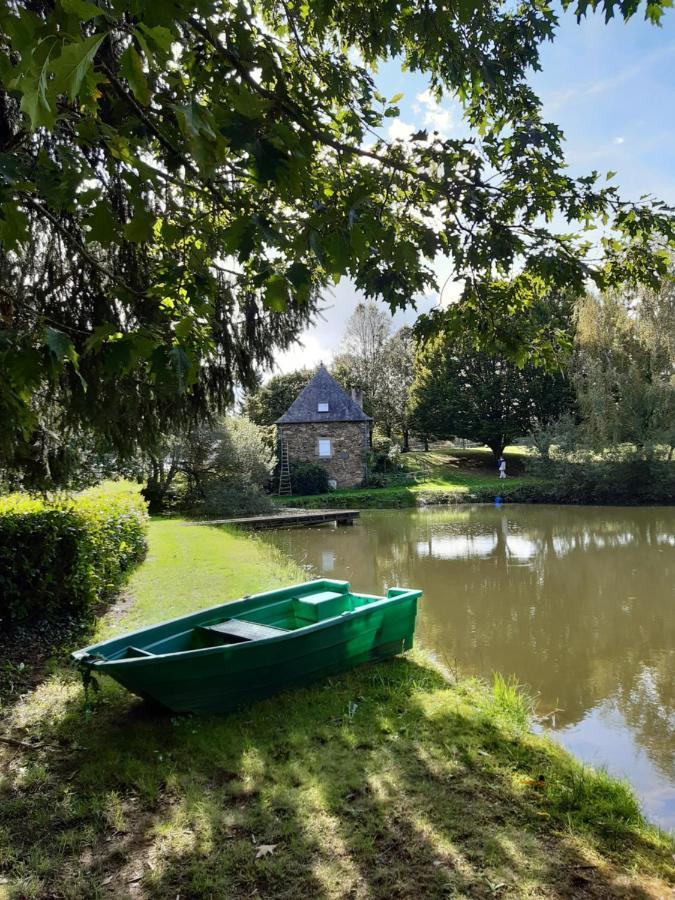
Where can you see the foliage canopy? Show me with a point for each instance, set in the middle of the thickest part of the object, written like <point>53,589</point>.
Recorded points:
<point>270,401</point>
<point>624,368</point>
<point>462,392</point>
<point>179,180</point>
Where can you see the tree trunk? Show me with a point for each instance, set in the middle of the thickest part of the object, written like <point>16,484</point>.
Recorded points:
<point>406,441</point>
<point>426,443</point>
<point>497,447</point>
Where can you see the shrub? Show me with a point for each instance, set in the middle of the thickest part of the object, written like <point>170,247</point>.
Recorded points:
<point>384,454</point>
<point>618,476</point>
<point>231,498</point>
<point>219,469</point>
<point>309,478</point>
<point>60,556</point>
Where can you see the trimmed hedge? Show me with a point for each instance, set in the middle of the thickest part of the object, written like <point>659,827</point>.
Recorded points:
<point>60,556</point>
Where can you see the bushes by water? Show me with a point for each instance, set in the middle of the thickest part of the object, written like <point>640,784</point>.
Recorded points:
<point>60,556</point>
<point>620,476</point>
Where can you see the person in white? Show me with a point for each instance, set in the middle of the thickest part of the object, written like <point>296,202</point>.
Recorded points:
<point>502,467</point>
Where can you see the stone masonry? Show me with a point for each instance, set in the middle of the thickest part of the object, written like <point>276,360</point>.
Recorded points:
<point>349,445</point>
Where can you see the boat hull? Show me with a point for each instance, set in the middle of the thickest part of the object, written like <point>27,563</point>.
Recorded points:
<point>224,678</point>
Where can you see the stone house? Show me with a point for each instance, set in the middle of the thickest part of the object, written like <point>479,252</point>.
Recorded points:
<point>324,425</point>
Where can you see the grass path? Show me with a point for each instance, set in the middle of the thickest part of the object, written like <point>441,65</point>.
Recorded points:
<point>388,782</point>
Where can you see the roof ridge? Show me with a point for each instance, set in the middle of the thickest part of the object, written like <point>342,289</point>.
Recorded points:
<point>323,387</point>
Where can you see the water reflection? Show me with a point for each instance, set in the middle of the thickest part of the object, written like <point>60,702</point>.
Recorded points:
<point>577,602</point>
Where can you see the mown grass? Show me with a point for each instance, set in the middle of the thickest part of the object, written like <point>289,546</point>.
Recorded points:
<point>193,566</point>
<point>440,475</point>
<point>387,782</point>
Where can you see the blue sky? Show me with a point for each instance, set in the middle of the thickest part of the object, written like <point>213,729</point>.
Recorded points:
<point>612,90</point>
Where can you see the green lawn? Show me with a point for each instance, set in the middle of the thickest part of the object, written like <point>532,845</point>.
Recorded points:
<point>387,782</point>
<point>440,475</point>
<point>191,566</point>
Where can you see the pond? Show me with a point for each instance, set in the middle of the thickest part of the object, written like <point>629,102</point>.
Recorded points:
<point>576,602</point>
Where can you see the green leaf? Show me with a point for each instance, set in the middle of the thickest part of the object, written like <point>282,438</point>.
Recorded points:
<point>82,9</point>
<point>34,100</point>
<point>75,61</point>
<point>276,293</point>
<point>337,254</point>
<point>610,175</point>
<point>160,36</point>
<point>13,225</point>
<point>131,66</point>
<point>249,104</point>
<point>60,345</point>
<point>139,229</point>
<point>179,361</point>
<point>102,225</point>
<point>99,337</point>
<point>24,368</point>
<point>300,277</point>
<point>239,238</point>
<point>193,121</point>
<point>184,327</point>
<point>396,98</point>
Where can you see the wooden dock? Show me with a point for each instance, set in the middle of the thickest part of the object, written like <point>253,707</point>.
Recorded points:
<point>290,518</point>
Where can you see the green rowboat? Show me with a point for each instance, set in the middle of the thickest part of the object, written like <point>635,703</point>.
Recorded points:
<point>227,656</point>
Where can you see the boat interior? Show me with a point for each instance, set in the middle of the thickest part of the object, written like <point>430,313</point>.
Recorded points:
<point>257,623</point>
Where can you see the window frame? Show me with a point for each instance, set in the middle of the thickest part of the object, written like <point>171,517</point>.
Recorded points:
<point>321,403</point>
<point>324,440</point>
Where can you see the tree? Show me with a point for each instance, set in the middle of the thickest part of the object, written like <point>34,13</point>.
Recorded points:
<point>271,400</point>
<point>362,357</point>
<point>462,392</point>
<point>624,368</point>
<point>225,465</point>
<point>179,182</point>
<point>399,373</point>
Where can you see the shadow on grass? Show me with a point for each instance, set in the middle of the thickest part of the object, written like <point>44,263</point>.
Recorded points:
<point>383,783</point>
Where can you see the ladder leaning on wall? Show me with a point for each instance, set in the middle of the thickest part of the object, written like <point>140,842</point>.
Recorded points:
<point>284,467</point>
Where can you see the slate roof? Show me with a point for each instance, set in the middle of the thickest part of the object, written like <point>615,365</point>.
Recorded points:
<point>323,387</point>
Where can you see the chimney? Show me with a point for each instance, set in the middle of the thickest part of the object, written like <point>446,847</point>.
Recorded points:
<point>357,397</point>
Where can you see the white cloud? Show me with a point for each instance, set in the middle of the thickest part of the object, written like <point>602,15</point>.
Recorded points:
<point>436,116</point>
<point>400,130</point>
<point>619,140</point>
<point>321,341</point>
<point>304,355</point>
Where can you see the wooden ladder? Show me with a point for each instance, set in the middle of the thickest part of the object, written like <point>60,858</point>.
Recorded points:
<point>284,468</point>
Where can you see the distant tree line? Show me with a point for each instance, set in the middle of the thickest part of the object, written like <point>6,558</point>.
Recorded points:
<point>609,389</point>
<point>610,378</point>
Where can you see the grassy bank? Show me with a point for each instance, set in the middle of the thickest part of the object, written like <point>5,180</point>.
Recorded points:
<point>437,476</point>
<point>387,782</point>
<point>443,475</point>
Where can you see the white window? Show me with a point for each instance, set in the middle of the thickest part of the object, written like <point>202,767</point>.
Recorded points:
<point>322,406</point>
<point>325,448</point>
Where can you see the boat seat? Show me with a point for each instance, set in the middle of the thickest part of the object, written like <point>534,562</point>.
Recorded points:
<point>236,631</point>
<point>133,652</point>
<point>322,605</point>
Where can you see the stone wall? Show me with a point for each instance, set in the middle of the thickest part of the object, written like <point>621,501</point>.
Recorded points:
<point>349,445</point>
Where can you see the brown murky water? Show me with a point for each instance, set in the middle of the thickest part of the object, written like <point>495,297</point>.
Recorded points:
<point>577,602</point>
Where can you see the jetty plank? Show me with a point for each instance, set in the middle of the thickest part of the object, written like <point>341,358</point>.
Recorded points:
<point>290,518</point>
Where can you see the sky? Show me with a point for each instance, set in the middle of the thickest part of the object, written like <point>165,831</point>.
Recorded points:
<point>611,88</point>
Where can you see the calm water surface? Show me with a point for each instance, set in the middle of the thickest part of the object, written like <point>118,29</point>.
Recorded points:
<point>577,602</point>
